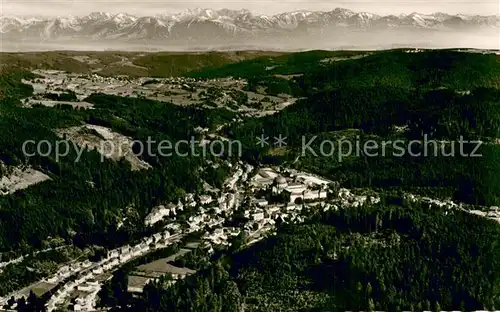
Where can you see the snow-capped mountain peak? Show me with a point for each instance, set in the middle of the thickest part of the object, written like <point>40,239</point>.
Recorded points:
<point>99,15</point>
<point>202,23</point>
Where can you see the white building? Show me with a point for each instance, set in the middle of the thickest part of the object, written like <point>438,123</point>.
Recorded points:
<point>158,213</point>
<point>311,180</point>
<point>85,287</point>
<point>166,234</point>
<point>97,270</point>
<point>196,219</point>
<point>125,249</point>
<point>205,199</point>
<point>258,216</point>
<point>143,247</point>
<point>295,195</point>
<point>86,264</point>
<point>125,257</point>
<point>53,280</point>
<point>315,195</point>
<point>295,187</point>
<point>273,210</point>
<point>137,250</point>
<point>173,227</point>
<point>114,254</point>
<point>261,202</point>
<point>157,237</point>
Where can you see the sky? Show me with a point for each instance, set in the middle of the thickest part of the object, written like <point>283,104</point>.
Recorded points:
<point>152,7</point>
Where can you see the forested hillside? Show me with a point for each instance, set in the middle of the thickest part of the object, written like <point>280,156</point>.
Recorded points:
<point>132,64</point>
<point>392,256</point>
<point>423,92</point>
<point>388,257</point>
<point>442,95</point>
<point>86,199</point>
<point>306,73</point>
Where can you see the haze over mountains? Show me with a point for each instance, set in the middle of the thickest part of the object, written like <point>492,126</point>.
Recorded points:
<point>203,29</point>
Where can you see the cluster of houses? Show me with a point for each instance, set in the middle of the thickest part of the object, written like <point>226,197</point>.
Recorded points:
<point>206,218</point>
<point>160,212</point>
<point>231,183</point>
<point>57,78</point>
<point>220,236</point>
<point>86,285</point>
<point>307,192</point>
<point>66,271</point>
<point>414,50</point>
<point>492,214</point>
<point>85,84</point>
<point>299,185</point>
<point>87,296</point>
<point>261,216</point>
<point>225,201</point>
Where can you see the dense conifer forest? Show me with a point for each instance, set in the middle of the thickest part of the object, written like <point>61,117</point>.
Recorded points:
<point>392,256</point>
<point>442,95</point>
<point>90,197</point>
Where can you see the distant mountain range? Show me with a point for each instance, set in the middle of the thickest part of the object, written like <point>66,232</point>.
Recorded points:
<point>202,26</point>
